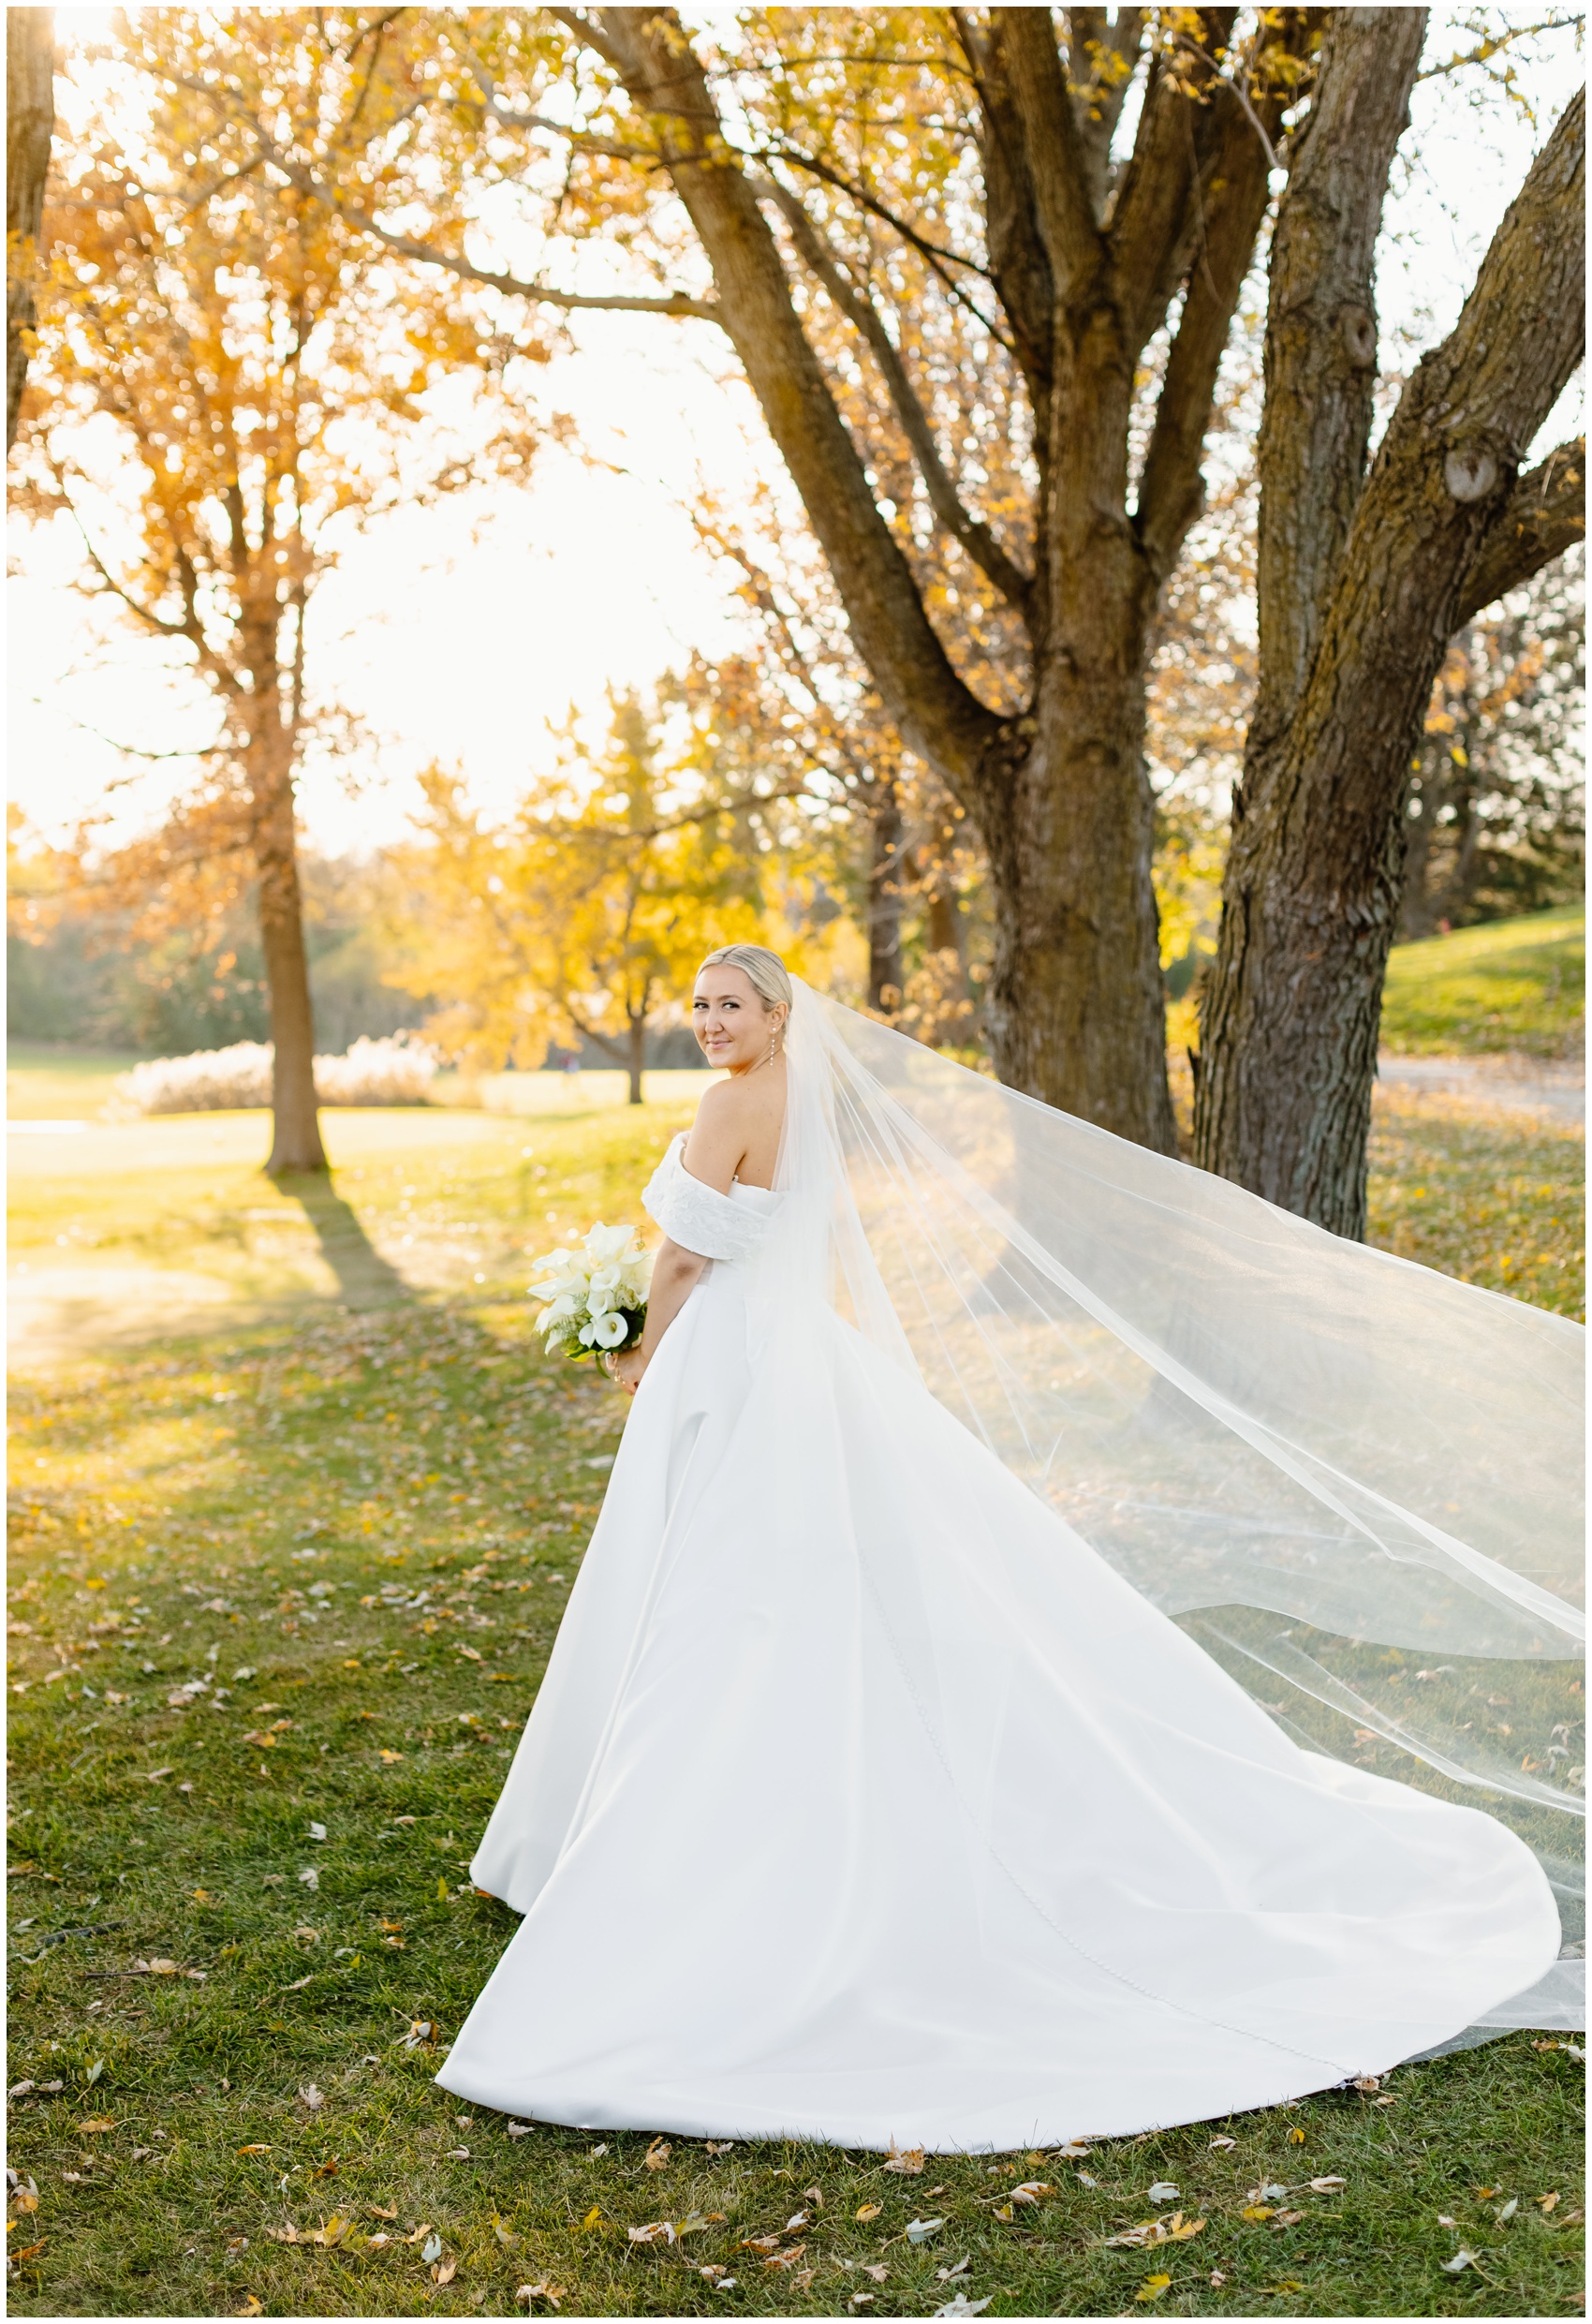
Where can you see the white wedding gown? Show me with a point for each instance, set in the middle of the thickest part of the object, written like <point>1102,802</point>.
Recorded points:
<point>865,1803</point>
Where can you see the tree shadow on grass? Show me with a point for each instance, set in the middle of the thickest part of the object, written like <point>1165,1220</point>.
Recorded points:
<point>364,1277</point>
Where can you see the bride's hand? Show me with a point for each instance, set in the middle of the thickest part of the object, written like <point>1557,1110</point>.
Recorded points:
<point>627,1369</point>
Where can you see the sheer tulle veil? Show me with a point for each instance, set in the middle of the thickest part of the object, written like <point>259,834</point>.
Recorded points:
<point>1353,1481</point>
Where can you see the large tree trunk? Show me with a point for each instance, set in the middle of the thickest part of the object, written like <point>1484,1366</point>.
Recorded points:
<point>1075,1008</point>
<point>30,124</point>
<point>1352,637</point>
<point>295,1144</point>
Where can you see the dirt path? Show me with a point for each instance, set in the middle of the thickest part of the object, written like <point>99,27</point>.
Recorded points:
<point>1516,1084</point>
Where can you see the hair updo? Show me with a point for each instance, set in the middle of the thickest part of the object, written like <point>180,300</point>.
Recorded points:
<point>763,969</point>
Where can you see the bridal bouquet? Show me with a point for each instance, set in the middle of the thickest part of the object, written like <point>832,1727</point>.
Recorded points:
<point>596,1292</point>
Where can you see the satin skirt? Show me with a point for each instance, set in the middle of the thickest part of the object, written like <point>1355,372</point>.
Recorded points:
<point>863,1804</point>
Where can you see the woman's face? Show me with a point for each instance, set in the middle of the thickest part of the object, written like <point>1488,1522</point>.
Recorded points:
<point>732,1026</point>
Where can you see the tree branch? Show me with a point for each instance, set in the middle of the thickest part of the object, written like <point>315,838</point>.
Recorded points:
<point>1321,335</point>
<point>1057,165</point>
<point>1172,488</point>
<point>975,537</point>
<point>938,713</point>
<point>1543,516</point>
<point>1153,220</point>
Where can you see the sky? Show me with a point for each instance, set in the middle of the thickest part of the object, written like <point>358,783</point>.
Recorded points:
<point>458,634</point>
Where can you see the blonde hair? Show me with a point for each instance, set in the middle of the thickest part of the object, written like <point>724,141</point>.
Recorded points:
<point>763,969</point>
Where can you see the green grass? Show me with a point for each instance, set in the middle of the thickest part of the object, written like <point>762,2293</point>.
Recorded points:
<point>272,1500</point>
<point>1516,985</point>
<point>46,1081</point>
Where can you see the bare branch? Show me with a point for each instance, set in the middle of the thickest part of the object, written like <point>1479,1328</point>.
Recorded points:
<point>1054,152</point>
<point>1543,516</point>
<point>975,537</point>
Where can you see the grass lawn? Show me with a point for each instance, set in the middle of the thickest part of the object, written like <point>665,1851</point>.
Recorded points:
<point>46,1081</point>
<point>302,1573</point>
<point>1509,985</point>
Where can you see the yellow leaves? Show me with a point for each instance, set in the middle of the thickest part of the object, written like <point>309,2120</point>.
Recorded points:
<point>251,2307</point>
<point>1548,2202</point>
<point>909,2161</point>
<point>1258,2212</point>
<point>1149,2232</point>
<point>254,2150</point>
<point>1296,2137</point>
<point>869,2210</point>
<point>782,2259</point>
<point>546,2289</point>
<point>391,1758</point>
<point>657,2154</point>
<point>1152,2287</point>
<point>95,2124</point>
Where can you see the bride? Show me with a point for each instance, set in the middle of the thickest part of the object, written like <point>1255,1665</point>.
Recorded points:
<point>873,1795</point>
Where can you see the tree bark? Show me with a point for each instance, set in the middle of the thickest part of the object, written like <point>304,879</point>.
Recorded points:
<point>1312,890</point>
<point>886,872</point>
<point>295,1144</point>
<point>30,125</point>
<point>636,1056</point>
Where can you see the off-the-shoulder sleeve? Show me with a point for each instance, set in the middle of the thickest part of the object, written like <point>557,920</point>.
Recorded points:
<point>699,1218</point>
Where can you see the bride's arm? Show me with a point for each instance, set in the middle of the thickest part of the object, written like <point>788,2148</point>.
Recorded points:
<point>674,1275</point>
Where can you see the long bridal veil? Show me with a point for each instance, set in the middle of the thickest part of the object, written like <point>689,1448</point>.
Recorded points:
<point>1352,1480</point>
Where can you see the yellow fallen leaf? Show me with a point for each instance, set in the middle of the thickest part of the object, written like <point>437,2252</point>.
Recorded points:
<point>786,2258</point>
<point>96,2123</point>
<point>1548,2202</point>
<point>1256,2211</point>
<point>25,2199</point>
<point>593,2217</point>
<point>445,2273</point>
<point>254,2150</point>
<point>657,2154</point>
<point>250,2307</point>
<point>391,1758</point>
<point>909,2160</point>
<point>1296,2137</point>
<point>1152,2287</point>
<point>870,2210</point>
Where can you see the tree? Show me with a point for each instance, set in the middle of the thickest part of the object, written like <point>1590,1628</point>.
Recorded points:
<point>591,909</point>
<point>228,387</point>
<point>1364,574</point>
<point>1496,808</point>
<point>946,277</point>
<point>30,124</point>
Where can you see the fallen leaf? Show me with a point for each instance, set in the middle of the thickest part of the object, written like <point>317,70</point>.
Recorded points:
<point>376,2212</point>
<point>432,2249</point>
<point>391,1758</point>
<point>1548,2202</point>
<point>254,2150</point>
<point>1163,2192</point>
<point>593,2217</point>
<point>657,2154</point>
<point>25,2199</point>
<point>786,2258</point>
<point>553,2293</point>
<point>469,1653</point>
<point>909,2161</point>
<point>1072,2149</point>
<point>1033,2191</point>
<point>309,1877</point>
<point>311,2097</point>
<point>446,2273</point>
<point>1152,2287</point>
<point>961,2305</point>
<point>1288,2218</point>
<point>1223,2143</point>
<point>657,2231</point>
<point>798,2219</point>
<point>504,2235</point>
<point>869,2210</point>
<point>719,2146</point>
<point>1327,2187</point>
<point>1256,2211</point>
<point>298,1985</point>
<point>1461,2261</point>
<point>1365,2082</point>
<point>1506,2210</point>
<point>1285,2285</point>
<point>328,2169</point>
<point>517,2130</point>
<point>759,2242</point>
<point>250,2307</point>
<point>237,2242</point>
<point>31,2252</point>
<point>920,2230</point>
<point>1296,2137</point>
<point>98,2123</point>
<point>879,2271</point>
<point>1176,2229</point>
<point>318,1831</point>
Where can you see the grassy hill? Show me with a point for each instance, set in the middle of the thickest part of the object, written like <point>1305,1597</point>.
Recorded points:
<point>1509,985</point>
